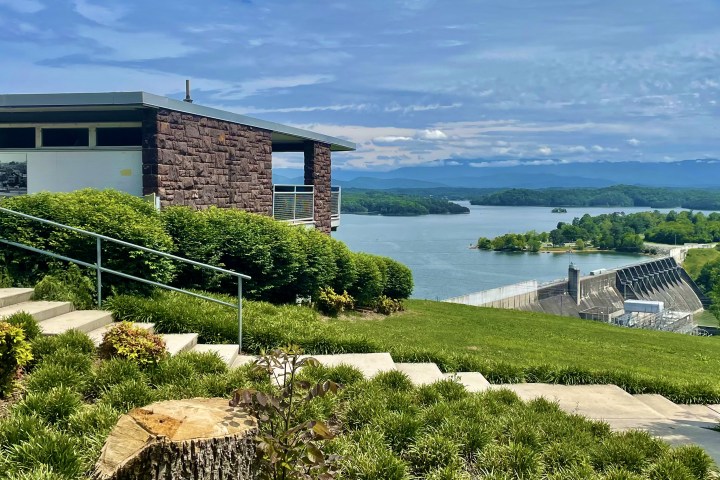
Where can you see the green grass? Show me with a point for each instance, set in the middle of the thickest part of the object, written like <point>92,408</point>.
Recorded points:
<point>530,340</point>
<point>697,258</point>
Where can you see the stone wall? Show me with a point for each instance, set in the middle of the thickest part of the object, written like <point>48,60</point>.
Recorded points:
<point>198,161</point>
<point>317,173</point>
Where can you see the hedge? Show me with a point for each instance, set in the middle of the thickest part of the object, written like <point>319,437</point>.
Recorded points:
<point>106,212</point>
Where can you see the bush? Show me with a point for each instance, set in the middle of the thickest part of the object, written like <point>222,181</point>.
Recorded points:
<point>18,428</point>
<point>27,322</point>
<point>432,451</point>
<point>54,406</point>
<point>386,305</point>
<point>111,213</point>
<point>50,375</point>
<point>369,282</point>
<point>93,420</point>
<point>52,451</point>
<point>398,279</point>
<point>112,372</point>
<point>69,285</point>
<point>127,395</point>
<point>134,343</point>
<point>332,303</point>
<point>70,341</point>
<point>15,353</point>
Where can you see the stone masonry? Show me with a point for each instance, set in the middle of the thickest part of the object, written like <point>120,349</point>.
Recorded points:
<point>199,161</point>
<point>317,173</point>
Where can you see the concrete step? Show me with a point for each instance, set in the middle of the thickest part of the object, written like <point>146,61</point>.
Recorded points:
<point>662,405</point>
<point>97,334</point>
<point>473,381</point>
<point>228,352</point>
<point>421,373</point>
<point>703,414</point>
<point>11,296</point>
<point>242,360</point>
<point>369,364</point>
<point>179,342</point>
<point>40,310</point>
<point>82,320</point>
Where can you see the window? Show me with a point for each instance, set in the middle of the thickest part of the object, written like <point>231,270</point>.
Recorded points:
<point>65,137</point>
<point>119,137</point>
<point>17,138</point>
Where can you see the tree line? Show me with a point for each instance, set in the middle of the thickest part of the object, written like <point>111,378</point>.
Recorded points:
<point>393,204</point>
<point>617,231</point>
<point>615,196</point>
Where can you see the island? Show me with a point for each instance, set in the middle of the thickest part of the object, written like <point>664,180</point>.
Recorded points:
<point>396,204</point>
<point>559,210</point>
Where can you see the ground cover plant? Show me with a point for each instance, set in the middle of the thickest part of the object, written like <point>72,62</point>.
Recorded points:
<point>506,346</point>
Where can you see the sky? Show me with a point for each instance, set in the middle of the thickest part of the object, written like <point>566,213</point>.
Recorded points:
<point>411,82</point>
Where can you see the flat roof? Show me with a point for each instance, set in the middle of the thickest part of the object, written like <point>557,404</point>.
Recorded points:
<point>284,135</point>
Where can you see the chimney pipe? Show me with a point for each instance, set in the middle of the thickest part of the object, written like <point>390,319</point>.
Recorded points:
<point>187,92</point>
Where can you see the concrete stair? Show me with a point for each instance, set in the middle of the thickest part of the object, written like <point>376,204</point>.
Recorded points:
<point>228,353</point>
<point>472,381</point>
<point>11,296</point>
<point>421,373</point>
<point>179,342</point>
<point>40,310</point>
<point>83,320</point>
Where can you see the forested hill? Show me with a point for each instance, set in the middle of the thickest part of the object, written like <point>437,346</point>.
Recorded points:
<point>616,196</point>
<point>381,203</point>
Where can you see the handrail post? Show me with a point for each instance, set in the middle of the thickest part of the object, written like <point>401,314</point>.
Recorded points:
<point>239,308</point>
<point>98,269</point>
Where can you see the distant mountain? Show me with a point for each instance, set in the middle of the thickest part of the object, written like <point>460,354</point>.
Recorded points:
<point>386,183</point>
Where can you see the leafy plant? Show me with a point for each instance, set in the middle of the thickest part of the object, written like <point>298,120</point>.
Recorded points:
<point>14,354</point>
<point>386,305</point>
<point>134,343</point>
<point>333,303</point>
<point>67,285</point>
<point>27,322</point>
<point>285,448</point>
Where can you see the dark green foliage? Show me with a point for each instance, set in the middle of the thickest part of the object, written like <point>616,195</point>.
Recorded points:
<point>669,469</point>
<point>90,420</point>
<point>432,451</point>
<point>396,204</point>
<point>697,461</point>
<point>332,303</point>
<point>344,375</point>
<point>365,455</point>
<point>53,406</point>
<point>204,363</point>
<point>386,305</point>
<point>27,322</point>
<point>112,372</point>
<point>14,355</point>
<point>71,340</point>
<point>127,395</point>
<point>19,427</point>
<point>369,283</point>
<point>51,450</point>
<point>51,375</point>
<point>399,280</point>
<point>68,285</point>
<point>632,450</point>
<point>393,380</point>
<point>112,213</point>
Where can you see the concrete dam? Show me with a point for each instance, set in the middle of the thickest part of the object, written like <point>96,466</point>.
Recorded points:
<point>602,295</point>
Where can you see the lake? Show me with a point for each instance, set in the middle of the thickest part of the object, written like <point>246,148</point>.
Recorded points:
<point>436,247</point>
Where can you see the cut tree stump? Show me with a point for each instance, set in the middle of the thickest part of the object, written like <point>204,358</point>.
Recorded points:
<point>194,439</point>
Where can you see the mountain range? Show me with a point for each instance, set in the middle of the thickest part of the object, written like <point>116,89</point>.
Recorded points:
<point>703,173</point>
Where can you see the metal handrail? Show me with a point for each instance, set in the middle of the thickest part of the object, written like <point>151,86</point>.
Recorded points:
<point>100,269</point>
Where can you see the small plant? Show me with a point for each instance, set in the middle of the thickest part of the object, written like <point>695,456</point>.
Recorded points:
<point>332,303</point>
<point>386,305</point>
<point>14,354</point>
<point>285,448</point>
<point>69,285</point>
<point>127,395</point>
<point>134,343</point>
<point>53,406</point>
<point>27,322</point>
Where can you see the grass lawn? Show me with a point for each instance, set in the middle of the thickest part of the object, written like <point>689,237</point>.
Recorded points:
<point>532,339</point>
<point>697,258</point>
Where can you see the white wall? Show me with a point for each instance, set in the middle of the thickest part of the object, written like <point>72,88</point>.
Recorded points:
<point>55,171</point>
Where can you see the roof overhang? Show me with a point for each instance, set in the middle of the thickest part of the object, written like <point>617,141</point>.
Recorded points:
<point>286,138</point>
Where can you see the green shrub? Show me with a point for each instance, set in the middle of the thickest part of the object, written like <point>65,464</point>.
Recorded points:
<point>515,459</point>
<point>342,374</point>
<point>19,427</point>
<point>364,455</point>
<point>204,363</point>
<point>112,372</point>
<point>127,395</point>
<point>53,406</point>
<point>398,279</point>
<point>27,322</point>
<point>177,370</point>
<point>432,451</point>
<point>386,305</point>
<point>319,269</point>
<point>632,450</point>
<point>669,469</point>
<point>332,303</point>
<point>400,429</point>
<point>258,246</point>
<point>134,343</point>
<point>56,451</point>
<point>15,353</point>
<point>92,420</point>
<point>369,282</point>
<point>42,472</point>
<point>69,285</point>
<point>447,473</point>
<point>393,380</point>
<point>346,271</point>
<point>72,340</point>
<point>50,375</point>
<point>111,213</point>
<point>694,458</point>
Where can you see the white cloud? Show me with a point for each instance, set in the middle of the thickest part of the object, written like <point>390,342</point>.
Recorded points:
<point>577,149</point>
<point>23,6</point>
<point>420,108</point>
<point>331,108</point>
<point>597,148</point>
<point>264,84</point>
<point>392,139</point>
<point>102,14</point>
<point>129,46</point>
<point>633,142</point>
<point>433,135</point>
<point>544,150</point>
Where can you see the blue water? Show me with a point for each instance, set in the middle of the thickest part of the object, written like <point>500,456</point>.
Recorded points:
<point>436,247</point>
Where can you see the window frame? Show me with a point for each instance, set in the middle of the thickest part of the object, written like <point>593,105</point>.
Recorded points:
<point>92,135</point>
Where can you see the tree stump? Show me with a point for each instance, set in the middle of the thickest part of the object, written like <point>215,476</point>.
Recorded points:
<point>195,439</point>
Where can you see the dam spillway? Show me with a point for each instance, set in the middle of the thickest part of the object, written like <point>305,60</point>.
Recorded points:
<point>600,295</point>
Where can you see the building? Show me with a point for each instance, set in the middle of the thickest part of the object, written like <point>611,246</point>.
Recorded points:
<point>178,152</point>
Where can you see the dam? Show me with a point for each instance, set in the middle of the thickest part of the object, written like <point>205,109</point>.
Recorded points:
<point>610,296</point>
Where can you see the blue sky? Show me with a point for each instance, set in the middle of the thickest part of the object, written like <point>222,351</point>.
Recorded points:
<point>410,81</point>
